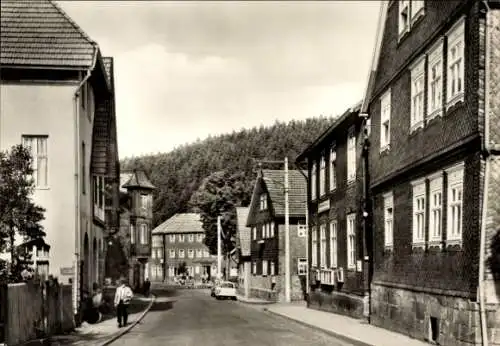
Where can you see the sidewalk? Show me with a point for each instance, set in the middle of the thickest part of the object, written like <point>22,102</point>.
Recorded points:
<point>103,333</point>
<point>253,300</point>
<point>352,330</point>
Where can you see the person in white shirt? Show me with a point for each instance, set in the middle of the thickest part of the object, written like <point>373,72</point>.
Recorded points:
<point>123,296</point>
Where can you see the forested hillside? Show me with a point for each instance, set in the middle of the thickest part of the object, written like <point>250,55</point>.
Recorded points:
<point>179,173</point>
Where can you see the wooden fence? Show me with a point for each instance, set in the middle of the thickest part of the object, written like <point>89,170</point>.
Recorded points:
<point>33,310</point>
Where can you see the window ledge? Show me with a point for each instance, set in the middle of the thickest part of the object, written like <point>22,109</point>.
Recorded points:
<point>388,247</point>
<point>42,188</point>
<point>385,148</point>
<point>454,242</point>
<point>434,114</point>
<point>436,243</point>
<point>417,126</point>
<point>454,100</point>
<point>418,245</point>
<point>351,267</point>
<point>417,16</point>
<point>402,35</point>
<point>351,180</point>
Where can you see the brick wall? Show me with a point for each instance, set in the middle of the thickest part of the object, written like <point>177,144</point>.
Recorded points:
<point>494,28</point>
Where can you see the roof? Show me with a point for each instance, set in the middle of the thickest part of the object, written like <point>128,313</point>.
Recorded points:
<point>138,179</point>
<point>181,223</point>
<point>124,177</point>
<point>40,33</point>
<point>243,230</point>
<point>355,109</point>
<point>38,242</point>
<point>274,181</point>
<point>108,68</point>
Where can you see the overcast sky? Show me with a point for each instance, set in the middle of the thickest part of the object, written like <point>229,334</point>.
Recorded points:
<point>184,70</point>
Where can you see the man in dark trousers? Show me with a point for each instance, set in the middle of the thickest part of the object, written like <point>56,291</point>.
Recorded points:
<point>147,287</point>
<point>123,296</point>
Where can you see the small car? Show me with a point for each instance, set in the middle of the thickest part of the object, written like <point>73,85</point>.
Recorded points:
<point>214,286</point>
<point>226,290</point>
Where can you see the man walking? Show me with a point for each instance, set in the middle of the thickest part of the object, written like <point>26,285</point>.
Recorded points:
<point>123,296</point>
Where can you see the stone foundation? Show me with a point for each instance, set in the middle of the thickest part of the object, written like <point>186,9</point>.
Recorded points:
<point>337,302</point>
<point>260,287</point>
<point>448,320</point>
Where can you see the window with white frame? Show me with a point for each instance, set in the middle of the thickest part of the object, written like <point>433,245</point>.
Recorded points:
<point>333,244</point>
<point>455,179</point>
<point>171,253</point>
<point>171,271</point>
<point>172,238</point>
<point>206,253</point>
<point>351,241</point>
<point>99,196</point>
<point>404,16</point>
<point>416,9</point>
<point>191,238</point>
<point>313,181</point>
<point>322,175</point>
<point>263,201</point>
<point>271,229</point>
<point>301,230</point>
<point>388,220</point>
<point>254,268</point>
<point>144,236</point>
<point>322,249</point>
<point>419,203</point>
<point>435,207</point>
<point>181,253</point>
<point>435,80</point>
<point>333,165</point>
<point>455,63</point>
<point>385,120</point>
<point>264,267</point>
<point>263,230</point>
<point>351,154</point>
<point>157,240</point>
<point>199,253</point>
<point>132,234</point>
<point>254,233</point>
<point>37,146</point>
<point>191,253</point>
<point>199,237</point>
<point>181,238</point>
<point>314,246</point>
<point>417,93</point>
<point>272,270</point>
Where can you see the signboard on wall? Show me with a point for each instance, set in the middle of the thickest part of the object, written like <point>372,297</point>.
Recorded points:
<point>67,271</point>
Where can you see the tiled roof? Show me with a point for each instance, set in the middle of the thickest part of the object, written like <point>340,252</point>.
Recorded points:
<point>181,223</point>
<point>124,177</point>
<point>297,193</point>
<point>108,67</point>
<point>243,230</point>
<point>138,179</point>
<point>40,33</point>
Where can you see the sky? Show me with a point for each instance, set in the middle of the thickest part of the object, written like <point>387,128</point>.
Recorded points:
<point>186,70</point>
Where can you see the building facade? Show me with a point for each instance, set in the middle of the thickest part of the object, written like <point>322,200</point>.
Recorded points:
<point>434,109</point>
<point>336,205</point>
<point>266,219</point>
<point>244,254</point>
<point>57,98</point>
<point>178,244</point>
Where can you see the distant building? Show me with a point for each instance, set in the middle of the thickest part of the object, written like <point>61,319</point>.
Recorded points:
<point>57,98</point>
<point>244,250</point>
<point>178,241</point>
<point>266,219</point>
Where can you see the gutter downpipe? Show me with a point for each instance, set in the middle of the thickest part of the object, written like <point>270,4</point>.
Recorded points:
<point>487,158</point>
<point>76,113</point>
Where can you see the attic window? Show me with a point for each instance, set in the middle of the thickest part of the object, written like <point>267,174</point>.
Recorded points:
<point>263,201</point>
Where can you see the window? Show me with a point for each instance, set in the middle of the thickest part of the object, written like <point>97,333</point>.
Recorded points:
<point>37,145</point>
<point>84,169</point>
<point>417,9</point>
<point>197,269</point>
<point>172,238</point>
<point>181,238</point>
<point>132,234</point>
<point>191,238</point>
<point>302,266</point>
<point>254,268</point>
<point>144,234</point>
<point>264,267</point>
<point>263,230</point>
<point>322,176</point>
<point>404,16</point>
<point>322,249</point>
<point>314,247</point>
<point>191,253</point>
<point>333,244</point>
<point>199,253</point>
<point>199,237</point>
<point>455,87</point>
<point>417,93</point>
<point>172,253</point>
<point>157,241</point>
<point>272,268</point>
<point>351,241</point>
<point>254,233</point>
<point>455,200</point>
<point>181,253</point>
<point>206,253</point>
<point>351,154</point>
<point>99,196</point>
<point>436,207</point>
<point>333,163</point>
<point>388,220</point>
<point>313,181</point>
<point>435,80</point>
<point>263,201</point>
<point>301,230</point>
<point>418,213</point>
<point>385,121</point>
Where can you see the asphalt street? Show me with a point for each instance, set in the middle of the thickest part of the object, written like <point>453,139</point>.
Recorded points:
<point>192,317</point>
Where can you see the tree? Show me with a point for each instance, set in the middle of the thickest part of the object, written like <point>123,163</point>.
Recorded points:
<point>19,215</point>
<point>219,194</point>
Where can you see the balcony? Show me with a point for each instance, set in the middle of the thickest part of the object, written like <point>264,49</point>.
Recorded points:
<point>140,250</point>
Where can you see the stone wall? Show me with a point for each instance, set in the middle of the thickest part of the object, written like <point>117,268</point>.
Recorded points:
<point>336,302</point>
<point>455,319</point>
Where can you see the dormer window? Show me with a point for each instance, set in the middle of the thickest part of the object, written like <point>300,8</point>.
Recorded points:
<point>263,201</point>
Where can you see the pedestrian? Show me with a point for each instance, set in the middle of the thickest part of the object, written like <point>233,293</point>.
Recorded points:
<point>147,287</point>
<point>123,296</point>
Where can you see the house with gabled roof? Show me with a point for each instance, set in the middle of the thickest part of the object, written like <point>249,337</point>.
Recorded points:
<point>57,98</point>
<point>266,220</point>
<point>243,244</point>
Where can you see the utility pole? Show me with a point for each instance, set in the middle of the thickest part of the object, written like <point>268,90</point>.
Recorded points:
<point>287,239</point>
<point>219,245</point>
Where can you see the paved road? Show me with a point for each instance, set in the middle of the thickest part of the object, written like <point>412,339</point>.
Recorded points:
<point>194,318</point>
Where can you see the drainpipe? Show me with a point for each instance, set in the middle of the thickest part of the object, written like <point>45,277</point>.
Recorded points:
<point>76,114</point>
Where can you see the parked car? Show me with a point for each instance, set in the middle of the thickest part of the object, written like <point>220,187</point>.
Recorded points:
<point>225,290</point>
<point>215,284</point>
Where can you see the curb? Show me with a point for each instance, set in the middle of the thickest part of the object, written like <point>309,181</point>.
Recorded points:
<point>128,328</point>
<point>243,300</point>
<point>349,339</point>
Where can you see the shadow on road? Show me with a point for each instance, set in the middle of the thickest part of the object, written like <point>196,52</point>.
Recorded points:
<point>162,306</point>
